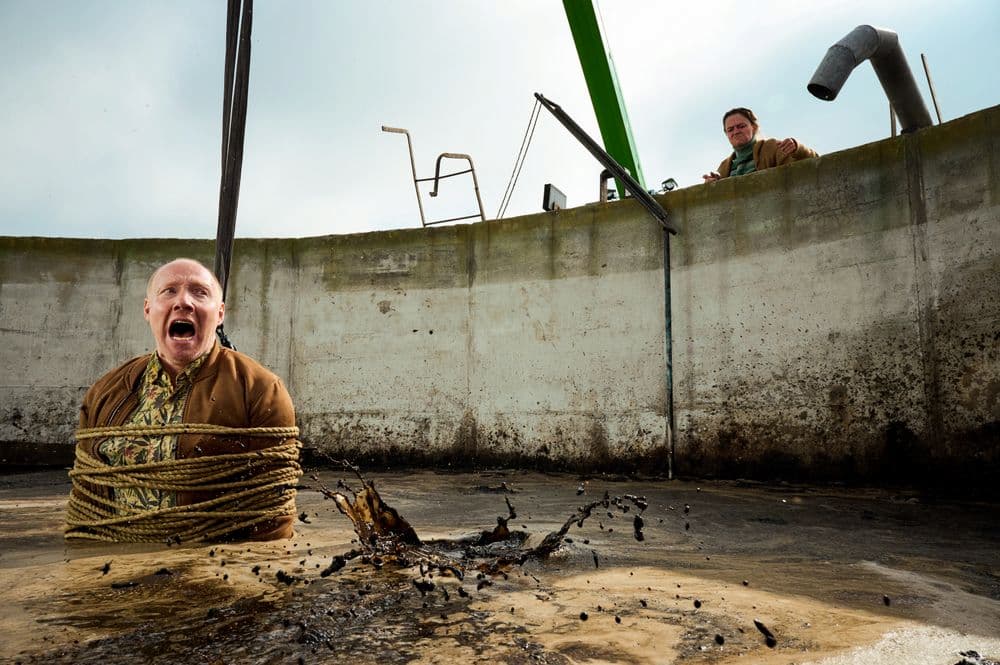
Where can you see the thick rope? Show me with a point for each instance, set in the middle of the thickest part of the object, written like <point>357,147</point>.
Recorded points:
<point>186,428</point>
<point>258,486</point>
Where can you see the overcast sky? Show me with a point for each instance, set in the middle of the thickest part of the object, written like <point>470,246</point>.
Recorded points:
<point>112,109</point>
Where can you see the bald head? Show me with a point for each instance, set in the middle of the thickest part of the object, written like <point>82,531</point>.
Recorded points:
<point>191,264</point>
<point>183,307</point>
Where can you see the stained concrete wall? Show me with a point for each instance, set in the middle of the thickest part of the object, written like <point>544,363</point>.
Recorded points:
<point>836,318</point>
<point>841,317</point>
<point>536,340</point>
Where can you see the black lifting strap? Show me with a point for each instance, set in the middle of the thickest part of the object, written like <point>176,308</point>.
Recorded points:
<point>234,121</point>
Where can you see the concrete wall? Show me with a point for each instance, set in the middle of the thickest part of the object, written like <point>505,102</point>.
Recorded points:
<point>836,318</point>
<point>841,317</point>
<point>537,340</point>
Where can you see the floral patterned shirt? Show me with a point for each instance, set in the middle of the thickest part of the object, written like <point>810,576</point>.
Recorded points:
<point>161,402</point>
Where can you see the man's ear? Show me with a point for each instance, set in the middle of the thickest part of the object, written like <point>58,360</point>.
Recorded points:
<point>222,312</point>
<point>145,309</point>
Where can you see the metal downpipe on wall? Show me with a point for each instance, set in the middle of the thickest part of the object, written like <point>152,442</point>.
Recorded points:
<point>669,351</point>
<point>882,47</point>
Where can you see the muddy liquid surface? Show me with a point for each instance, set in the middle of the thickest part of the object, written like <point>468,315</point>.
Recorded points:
<point>833,576</point>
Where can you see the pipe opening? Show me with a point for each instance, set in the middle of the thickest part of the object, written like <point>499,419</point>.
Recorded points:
<point>882,48</point>
<point>822,92</point>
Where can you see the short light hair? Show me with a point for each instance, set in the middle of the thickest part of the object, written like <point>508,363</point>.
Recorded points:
<point>215,280</point>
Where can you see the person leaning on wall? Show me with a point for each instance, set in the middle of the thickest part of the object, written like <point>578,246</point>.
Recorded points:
<point>193,441</point>
<point>751,151</point>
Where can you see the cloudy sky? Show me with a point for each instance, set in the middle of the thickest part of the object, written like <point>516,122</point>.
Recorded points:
<point>111,109</point>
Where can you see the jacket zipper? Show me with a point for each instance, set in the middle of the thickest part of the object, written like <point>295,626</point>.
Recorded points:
<point>118,407</point>
<point>114,412</point>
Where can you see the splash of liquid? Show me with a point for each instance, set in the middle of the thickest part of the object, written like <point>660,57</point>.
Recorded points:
<point>385,536</point>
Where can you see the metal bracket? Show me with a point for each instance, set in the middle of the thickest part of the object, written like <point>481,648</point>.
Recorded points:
<point>605,191</point>
<point>438,177</point>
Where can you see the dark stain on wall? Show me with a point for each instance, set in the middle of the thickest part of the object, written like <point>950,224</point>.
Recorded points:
<point>370,440</point>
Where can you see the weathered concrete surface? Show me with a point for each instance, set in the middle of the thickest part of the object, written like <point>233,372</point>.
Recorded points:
<point>494,343</point>
<point>839,577</point>
<point>840,318</point>
<point>837,318</point>
<point>503,342</point>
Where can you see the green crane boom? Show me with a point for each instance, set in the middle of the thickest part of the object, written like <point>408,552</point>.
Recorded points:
<point>602,83</point>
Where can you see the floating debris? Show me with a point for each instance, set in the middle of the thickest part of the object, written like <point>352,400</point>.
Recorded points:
<point>338,562</point>
<point>639,502</point>
<point>510,508</point>
<point>971,657</point>
<point>769,638</point>
<point>285,578</point>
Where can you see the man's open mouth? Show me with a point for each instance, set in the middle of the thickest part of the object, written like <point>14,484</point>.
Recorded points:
<point>181,330</point>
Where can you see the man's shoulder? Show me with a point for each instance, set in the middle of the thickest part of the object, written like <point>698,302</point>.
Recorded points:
<point>128,371</point>
<point>237,373</point>
<point>243,368</point>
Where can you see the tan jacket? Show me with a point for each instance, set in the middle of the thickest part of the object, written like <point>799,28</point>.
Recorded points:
<point>766,155</point>
<point>230,389</point>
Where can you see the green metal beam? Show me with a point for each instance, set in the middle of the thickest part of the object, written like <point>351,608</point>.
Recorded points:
<point>602,82</point>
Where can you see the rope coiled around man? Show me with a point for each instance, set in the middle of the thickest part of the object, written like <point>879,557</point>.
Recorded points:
<point>256,487</point>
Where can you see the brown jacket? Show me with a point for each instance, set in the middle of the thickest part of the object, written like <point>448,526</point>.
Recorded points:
<point>766,155</point>
<point>230,389</point>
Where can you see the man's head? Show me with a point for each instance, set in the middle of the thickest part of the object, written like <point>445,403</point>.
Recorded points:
<point>740,125</point>
<point>183,306</point>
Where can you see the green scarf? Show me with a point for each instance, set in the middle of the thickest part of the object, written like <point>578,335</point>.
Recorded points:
<point>743,160</point>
